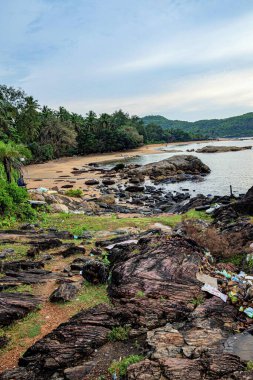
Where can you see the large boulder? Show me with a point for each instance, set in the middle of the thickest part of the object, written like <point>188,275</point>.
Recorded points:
<point>174,167</point>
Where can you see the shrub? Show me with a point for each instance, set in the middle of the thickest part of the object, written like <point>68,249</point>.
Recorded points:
<point>120,367</point>
<point>119,333</point>
<point>74,193</point>
<point>14,202</point>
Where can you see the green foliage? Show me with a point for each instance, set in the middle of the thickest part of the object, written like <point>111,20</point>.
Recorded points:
<point>237,126</point>
<point>14,202</point>
<point>249,365</point>
<point>198,300</point>
<point>20,289</point>
<point>74,193</point>
<point>119,333</point>
<point>140,294</point>
<point>120,367</point>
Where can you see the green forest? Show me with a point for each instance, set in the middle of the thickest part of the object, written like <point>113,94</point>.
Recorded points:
<point>237,126</point>
<point>50,134</point>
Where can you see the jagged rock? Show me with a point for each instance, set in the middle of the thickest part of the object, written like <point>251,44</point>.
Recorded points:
<point>108,199</point>
<point>65,292</point>
<point>72,249</point>
<point>31,276</point>
<point>46,244</point>
<point>245,206</point>
<point>160,280</point>
<point>95,272</point>
<point>79,372</point>
<point>172,167</point>
<point>77,264</point>
<point>17,266</point>
<point>14,306</point>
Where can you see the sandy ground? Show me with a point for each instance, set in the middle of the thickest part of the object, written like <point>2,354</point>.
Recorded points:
<point>58,172</point>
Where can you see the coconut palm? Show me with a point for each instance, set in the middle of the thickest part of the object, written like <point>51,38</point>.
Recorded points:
<point>11,156</point>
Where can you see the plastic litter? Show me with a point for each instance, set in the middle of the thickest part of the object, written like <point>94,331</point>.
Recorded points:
<point>249,312</point>
<point>215,292</point>
<point>224,273</point>
<point>212,281</point>
<point>42,190</point>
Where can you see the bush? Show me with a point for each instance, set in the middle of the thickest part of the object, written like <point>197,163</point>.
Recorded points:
<point>119,333</point>
<point>14,202</point>
<point>120,367</point>
<point>74,193</point>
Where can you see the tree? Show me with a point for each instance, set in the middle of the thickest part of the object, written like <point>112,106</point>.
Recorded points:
<point>11,155</point>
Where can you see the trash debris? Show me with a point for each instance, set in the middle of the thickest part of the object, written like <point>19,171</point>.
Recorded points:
<point>206,279</point>
<point>249,312</point>
<point>224,273</point>
<point>215,292</point>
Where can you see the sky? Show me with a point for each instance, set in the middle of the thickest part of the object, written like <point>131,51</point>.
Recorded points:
<point>183,59</point>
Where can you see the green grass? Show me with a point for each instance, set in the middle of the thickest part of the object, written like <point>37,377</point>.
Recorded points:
<point>89,296</point>
<point>77,193</point>
<point>18,332</point>
<point>20,289</point>
<point>119,333</point>
<point>120,367</point>
<point>140,294</point>
<point>20,251</point>
<point>198,300</point>
<point>77,224</point>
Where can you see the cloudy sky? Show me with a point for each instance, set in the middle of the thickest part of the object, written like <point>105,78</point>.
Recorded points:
<point>184,59</point>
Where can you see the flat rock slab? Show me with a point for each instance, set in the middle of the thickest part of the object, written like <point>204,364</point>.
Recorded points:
<point>240,345</point>
<point>15,306</point>
<point>33,276</point>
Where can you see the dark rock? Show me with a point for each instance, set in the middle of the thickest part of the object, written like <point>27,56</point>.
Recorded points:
<point>91,182</point>
<point>173,167</point>
<point>95,272</point>
<point>14,306</point>
<point>72,249</point>
<point>108,181</point>
<point>79,372</point>
<point>65,292</point>
<point>135,189</point>
<point>17,266</point>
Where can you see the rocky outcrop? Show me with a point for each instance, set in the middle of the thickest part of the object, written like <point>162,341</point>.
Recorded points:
<point>95,272</point>
<point>15,306</point>
<point>222,149</point>
<point>176,168</point>
<point>245,205</point>
<point>155,293</point>
<point>65,292</point>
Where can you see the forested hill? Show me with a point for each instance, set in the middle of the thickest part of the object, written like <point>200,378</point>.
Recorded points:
<point>237,126</point>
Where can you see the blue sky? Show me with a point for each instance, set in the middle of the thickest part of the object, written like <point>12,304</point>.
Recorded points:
<point>184,59</point>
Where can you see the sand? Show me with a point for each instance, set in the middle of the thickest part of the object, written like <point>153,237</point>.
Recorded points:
<point>58,172</point>
<point>49,174</point>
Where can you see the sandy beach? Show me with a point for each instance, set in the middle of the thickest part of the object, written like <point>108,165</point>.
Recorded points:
<point>58,172</point>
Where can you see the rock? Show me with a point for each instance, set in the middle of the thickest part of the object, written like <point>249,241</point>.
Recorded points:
<point>172,167</point>
<point>3,341</point>
<point>91,182</point>
<point>108,182</point>
<point>79,372</point>
<point>108,199</point>
<point>173,263</point>
<point>65,292</point>
<point>17,266</point>
<point>32,276</point>
<point>95,272</point>
<point>56,207</point>
<point>134,189</point>
<point>72,249</point>
<point>15,306</point>
<point>222,149</point>
<point>245,206</point>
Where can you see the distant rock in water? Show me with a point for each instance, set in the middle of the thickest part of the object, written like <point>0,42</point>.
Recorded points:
<point>176,168</point>
<point>222,149</point>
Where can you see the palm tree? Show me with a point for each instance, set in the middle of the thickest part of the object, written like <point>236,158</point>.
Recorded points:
<point>11,155</point>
